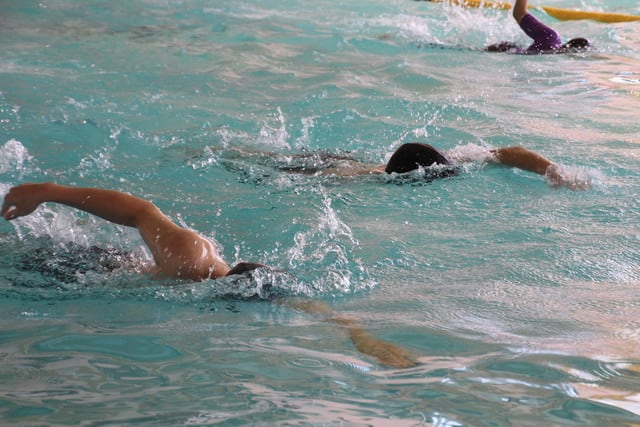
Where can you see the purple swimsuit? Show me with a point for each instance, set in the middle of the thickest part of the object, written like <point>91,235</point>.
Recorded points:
<point>544,38</point>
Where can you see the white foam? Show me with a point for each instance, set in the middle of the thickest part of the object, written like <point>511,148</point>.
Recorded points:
<point>276,134</point>
<point>327,243</point>
<point>470,153</point>
<point>573,177</point>
<point>14,157</point>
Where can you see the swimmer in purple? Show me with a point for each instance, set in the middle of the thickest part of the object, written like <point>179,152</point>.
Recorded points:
<point>545,38</point>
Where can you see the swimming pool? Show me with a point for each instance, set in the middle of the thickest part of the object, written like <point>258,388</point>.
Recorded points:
<point>520,301</point>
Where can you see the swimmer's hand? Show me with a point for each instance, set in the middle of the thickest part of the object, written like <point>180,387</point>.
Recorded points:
<point>387,353</point>
<point>22,200</point>
<point>557,176</point>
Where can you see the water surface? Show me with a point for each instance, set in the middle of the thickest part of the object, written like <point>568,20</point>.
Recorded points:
<point>519,301</point>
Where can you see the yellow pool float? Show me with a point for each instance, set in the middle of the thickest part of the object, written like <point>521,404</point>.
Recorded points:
<point>558,13</point>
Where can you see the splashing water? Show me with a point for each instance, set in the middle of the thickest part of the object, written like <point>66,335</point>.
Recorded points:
<point>325,244</point>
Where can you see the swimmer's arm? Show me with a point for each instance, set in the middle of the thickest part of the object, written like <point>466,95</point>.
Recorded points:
<point>387,353</point>
<point>111,205</point>
<point>177,251</point>
<point>522,158</point>
<point>520,8</point>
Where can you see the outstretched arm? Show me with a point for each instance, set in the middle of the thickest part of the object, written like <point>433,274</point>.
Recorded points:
<point>116,207</point>
<point>519,157</point>
<point>177,251</point>
<point>387,353</point>
<point>522,158</point>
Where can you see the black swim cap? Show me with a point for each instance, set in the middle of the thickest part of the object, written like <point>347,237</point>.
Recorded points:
<point>413,155</point>
<point>244,267</point>
<point>579,43</point>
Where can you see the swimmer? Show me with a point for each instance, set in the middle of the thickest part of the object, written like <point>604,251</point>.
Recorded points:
<point>414,155</point>
<point>178,252</point>
<point>545,39</point>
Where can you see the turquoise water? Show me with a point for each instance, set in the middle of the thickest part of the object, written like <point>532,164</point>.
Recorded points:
<point>520,301</point>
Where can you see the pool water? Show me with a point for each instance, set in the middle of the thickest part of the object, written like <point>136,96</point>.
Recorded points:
<point>519,301</point>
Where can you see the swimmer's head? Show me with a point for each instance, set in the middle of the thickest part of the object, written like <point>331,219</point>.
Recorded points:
<point>245,267</point>
<point>577,44</point>
<point>414,155</point>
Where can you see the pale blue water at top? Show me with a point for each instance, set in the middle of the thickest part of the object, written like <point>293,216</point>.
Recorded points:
<point>520,301</point>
